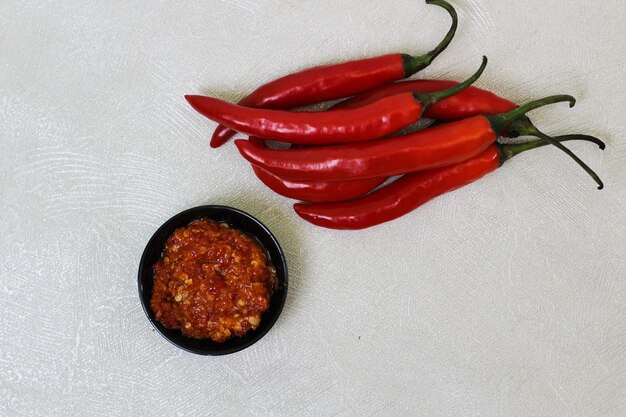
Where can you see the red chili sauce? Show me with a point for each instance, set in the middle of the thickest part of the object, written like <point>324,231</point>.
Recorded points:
<point>212,281</point>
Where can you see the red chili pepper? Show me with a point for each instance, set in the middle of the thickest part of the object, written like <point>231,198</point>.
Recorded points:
<point>372,121</point>
<point>314,191</point>
<point>331,82</point>
<point>470,102</point>
<point>427,149</point>
<point>412,190</point>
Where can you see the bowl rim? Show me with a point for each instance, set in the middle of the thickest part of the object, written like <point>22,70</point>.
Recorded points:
<point>168,224</point>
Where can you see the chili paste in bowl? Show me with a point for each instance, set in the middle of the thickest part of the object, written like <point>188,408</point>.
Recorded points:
<point>213,280</point>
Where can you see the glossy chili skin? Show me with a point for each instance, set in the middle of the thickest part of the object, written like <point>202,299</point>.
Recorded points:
<point>314,191</point>
<point>400,197</point>
<point>372,121</point>
<point>426,149</point>
<point>317,84</point>
<point>470,102</point>
<point>335,81</point>
<point>327,82</point>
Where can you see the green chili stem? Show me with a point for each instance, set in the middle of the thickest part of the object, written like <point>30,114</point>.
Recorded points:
<point>500,121</point>
<point>413,64</point>
<point>428,100</point>
<point>524,127</point>
<point>586,138</point>
<point>508,151</point>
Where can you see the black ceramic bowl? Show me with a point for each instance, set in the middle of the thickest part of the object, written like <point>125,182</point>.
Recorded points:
<point>236,219</point>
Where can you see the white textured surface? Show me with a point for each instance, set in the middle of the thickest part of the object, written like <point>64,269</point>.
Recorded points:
<point>506,298</point>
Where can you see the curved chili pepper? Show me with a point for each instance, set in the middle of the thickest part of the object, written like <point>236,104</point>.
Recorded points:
<point>372,121</point>
<point>412,190</point>
<point>426,149</point>
<point>470,102</point>
<point>314,191</point>
<point>331,82</point>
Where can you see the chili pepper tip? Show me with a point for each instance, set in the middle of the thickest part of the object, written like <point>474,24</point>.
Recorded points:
<point>192,100</point>
<point>243,146</point>
<point>300,209</point>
